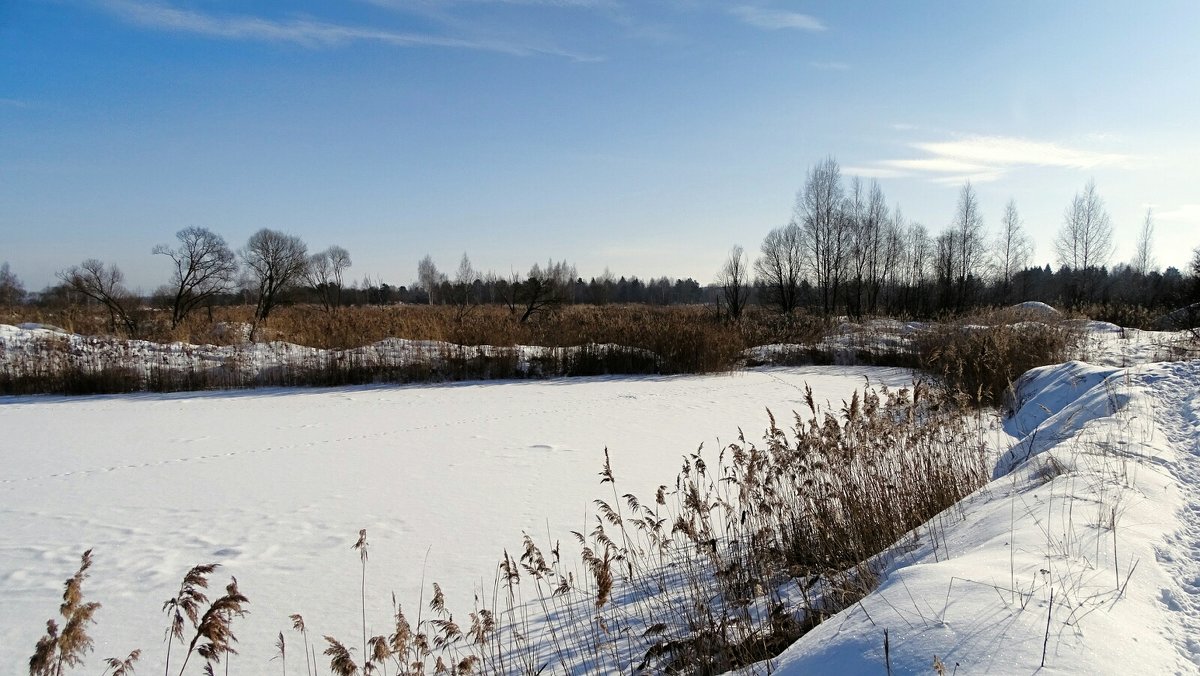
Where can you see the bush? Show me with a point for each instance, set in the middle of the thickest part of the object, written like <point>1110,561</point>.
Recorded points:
<point>981,357</point>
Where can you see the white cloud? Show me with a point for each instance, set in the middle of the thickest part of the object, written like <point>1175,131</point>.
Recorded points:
<point>869,171</point>
<point>772,19</point>
<point>936,165</point>
<point>1004,151</point>
<point>988,158</point>
<point>1184,213</point>
<point>986,176</point>
<point>304,32</point>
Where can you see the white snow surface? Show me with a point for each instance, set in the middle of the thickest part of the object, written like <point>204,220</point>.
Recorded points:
<point>1037,307</point>
<point>1097,501</point>
<point>274,485</point>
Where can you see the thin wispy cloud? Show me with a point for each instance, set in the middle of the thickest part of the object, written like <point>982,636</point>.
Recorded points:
<point>829,65</point>
<point>774,19</point>
<point>304,32</point>
<point>1009,151</point>
<point>870,171</point>
<point>1184,213</point>
<point>988,158</point>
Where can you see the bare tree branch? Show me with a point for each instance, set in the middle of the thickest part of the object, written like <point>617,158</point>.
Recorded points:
<point>275,261</point>
<point>205,267</point>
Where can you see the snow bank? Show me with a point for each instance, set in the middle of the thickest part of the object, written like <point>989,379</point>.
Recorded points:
<point>37,351</point>
<point>1037,307</point>
<point>1053,404</point>
<point>1076,553</point>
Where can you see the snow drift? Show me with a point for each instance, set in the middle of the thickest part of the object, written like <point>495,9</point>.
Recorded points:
<point>1080,556</point>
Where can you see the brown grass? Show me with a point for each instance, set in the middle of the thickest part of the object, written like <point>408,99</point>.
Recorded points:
<point>579,341</point>
<point>60,650</point>
<point>703,578</point>
<point>981,356</point>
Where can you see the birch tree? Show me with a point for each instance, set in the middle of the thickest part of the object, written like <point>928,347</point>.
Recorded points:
<point>824,226</point>
<point>1143,258</point>
<point>1086,237</point>
<point>1013,248</point>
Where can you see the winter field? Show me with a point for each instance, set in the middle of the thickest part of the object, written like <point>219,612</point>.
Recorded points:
<point>275,484</point>
<point>1083,553</point>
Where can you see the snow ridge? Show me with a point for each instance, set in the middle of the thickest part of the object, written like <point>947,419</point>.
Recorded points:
<point>1081,556</point>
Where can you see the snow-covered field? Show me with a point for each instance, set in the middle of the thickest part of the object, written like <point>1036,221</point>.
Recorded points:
<point>275,484</point>
<point>1084,551</point>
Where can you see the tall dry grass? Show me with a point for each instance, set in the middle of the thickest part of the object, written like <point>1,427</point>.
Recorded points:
<point>347,348</point>
<point>726,566</point>
<point>983,355</point>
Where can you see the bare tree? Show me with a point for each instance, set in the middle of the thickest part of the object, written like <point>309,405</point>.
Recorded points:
<point>919,248</point>
<point>465,275</point>
<point>12,292</point>
<point>339,263</point>
<point>854,214</point>
<point>945,263</point>
<point>463,289</point>
<point>1143,258</point>
<point>734,278</point>
<point>105,285</point>
<point>324,273</point>
<point>891,269</point>
<point>275,261</point>
<point>205,267</point>
<point>779,267</point>
<point>1012,247</point>
<point>1085,239</point>
<point>968,239</point>
<point>428,277</point>
<point>823,224</point>
<point>319,274</point>
<point>873,233</point>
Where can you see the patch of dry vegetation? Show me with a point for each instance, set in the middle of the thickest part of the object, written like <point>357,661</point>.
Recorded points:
<point>983,355</point>
<point>479,343</point>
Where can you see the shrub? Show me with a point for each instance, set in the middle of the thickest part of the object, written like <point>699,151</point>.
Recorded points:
<point>981,357</point>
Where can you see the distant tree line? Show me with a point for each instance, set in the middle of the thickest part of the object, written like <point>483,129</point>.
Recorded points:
<point>845,251</point>
<point>275,268</point>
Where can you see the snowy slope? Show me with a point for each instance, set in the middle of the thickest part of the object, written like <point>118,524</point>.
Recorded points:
<point>1086,547</point>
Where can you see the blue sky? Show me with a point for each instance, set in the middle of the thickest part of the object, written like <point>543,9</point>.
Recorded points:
<point>645,136</point>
